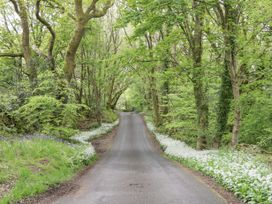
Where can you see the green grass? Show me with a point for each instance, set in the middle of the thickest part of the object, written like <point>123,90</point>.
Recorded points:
<point>35,165</point>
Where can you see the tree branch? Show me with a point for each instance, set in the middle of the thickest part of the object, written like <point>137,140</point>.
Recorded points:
<point>97,13</point>
<point>78,8</point>
<point>59,6</point>
<point>52,32</point>
<point>91,7</point>
<point>15,6</point>
<point>11,55</point>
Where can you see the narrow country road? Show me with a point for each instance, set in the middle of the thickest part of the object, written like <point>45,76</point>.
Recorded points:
<point>134,172</point>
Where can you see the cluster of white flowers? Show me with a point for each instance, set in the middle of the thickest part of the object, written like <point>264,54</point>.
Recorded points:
<point>85,136</point>
<point>89,151</point>
<point>239,172</point>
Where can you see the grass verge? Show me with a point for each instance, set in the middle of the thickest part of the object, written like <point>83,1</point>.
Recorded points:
<point>30,167</point>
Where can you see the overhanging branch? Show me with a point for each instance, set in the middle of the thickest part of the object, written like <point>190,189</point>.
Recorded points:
<point>11,55</point>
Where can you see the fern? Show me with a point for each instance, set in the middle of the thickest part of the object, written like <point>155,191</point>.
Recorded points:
<point>48,115</point>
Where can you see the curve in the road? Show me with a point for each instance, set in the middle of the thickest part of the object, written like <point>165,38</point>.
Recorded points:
<point>133,172</point>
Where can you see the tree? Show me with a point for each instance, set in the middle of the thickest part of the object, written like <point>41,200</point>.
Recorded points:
<point>20,9</point>
<point>49,56</point>
<point>198,73</point>
<point>82,18</point>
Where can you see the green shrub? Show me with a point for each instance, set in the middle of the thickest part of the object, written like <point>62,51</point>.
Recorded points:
<point>48,115</point>
<point>47,86</point>
<point>109,116</point>
<point>50,84</point>
<point>257,120</point>
<point>71,113</point>
<point>37,113</point>
<point>61,132</point>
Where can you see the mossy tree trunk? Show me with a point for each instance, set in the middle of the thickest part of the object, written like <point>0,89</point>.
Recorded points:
<point>21,10</point>
<point>231,17</point>
<point>153,85</point>
<point>225,97</point>
<point>198,74</point>
<point>82,18</point>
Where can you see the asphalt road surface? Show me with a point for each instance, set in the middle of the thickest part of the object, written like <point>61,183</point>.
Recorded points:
<point>134,172</point>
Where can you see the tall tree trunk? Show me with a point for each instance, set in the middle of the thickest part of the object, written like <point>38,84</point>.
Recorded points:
<point>202,113</point>
<point>231,47</point>
<point>70,64</point>
<point>198,75</point>
<point>110,95</point>
<point>89,94</point>
<point>82,76</point>
<point>50,57</point>
<point>165,85</point>
<point>21,10</point>
<point>229,18</point>
<point>165,91</point>
<point>225,97</point>
<point>82,18</point>
<point>98,111</point>
<point>237,113</point>
<point>148,94</point>
<point>153,85</point>
<point>97,95</point>
<point>155,99</point>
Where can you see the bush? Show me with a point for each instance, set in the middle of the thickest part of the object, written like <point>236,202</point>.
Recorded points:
<point>257,120</point>
<point>47,86</point>
<point>8,103</point>
<point>109,116</point>
<point>39,112</point>
<point>71,113</point>
<point>48,115</point>
<point>61,132</point>
<point>51,85</point>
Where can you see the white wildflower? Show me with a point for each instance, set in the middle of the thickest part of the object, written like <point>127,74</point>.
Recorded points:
<point>247,178</point>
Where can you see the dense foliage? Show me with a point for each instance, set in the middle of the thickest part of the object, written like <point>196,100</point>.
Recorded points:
<point>48,115</point>
<point>36,95</point>
<point>205,71</point>
<point>201,69</point>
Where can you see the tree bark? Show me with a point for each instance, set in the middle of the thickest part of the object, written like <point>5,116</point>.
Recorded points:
<point>110,95</point>
<point>198,75</point>
<point>165,85</point>
<point>231,49</point>
<point>155,99</point>
<point>82,18</point>
<point>50,56</point>
<point>21,10</point>
<point>14,55</point>
<point>237,114</point>
<point>228,17</point>
<point>202,112</point>
<point>97,97</point>
<point>225,97</point>
<point>153,88</point>
<point>70,65</point>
